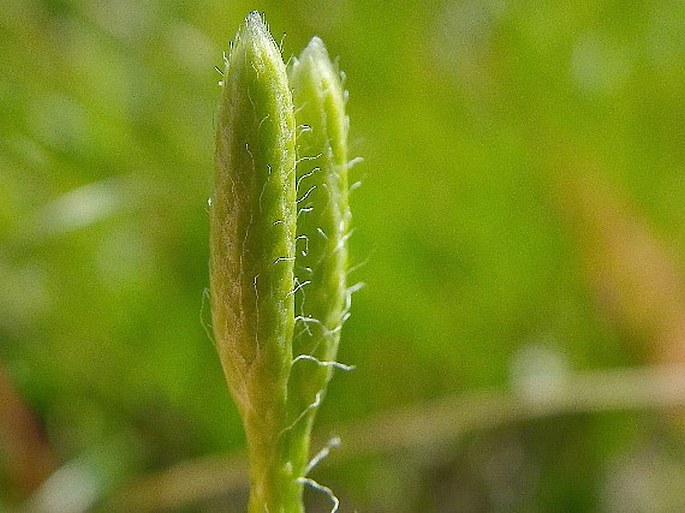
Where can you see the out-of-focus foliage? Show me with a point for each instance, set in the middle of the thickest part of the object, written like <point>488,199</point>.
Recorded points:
<point>481,254</point>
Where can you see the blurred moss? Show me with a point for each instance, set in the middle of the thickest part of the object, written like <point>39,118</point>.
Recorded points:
<point>463,111</point>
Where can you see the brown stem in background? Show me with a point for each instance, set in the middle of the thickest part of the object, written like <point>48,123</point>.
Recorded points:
<point>637,280</point>
<point>22,443</point>
<point>428,426</point>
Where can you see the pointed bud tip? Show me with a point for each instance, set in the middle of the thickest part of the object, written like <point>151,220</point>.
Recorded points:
<point>254,22</point>
<point>255,31</point>
<point>315,49</point>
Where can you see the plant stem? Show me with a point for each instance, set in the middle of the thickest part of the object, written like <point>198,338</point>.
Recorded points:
<point>276,258</point>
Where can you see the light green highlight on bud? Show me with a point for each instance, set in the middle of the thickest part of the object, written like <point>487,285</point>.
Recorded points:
<point>253,217</point>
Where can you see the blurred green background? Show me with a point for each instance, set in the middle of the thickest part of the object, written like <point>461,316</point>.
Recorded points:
<point>521,222</point>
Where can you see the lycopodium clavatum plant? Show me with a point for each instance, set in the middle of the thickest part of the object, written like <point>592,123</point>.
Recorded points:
<point>280,221</point>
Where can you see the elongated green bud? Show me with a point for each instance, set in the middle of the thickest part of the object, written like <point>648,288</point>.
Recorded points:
<point>279,258</point>
<point>323,227</point>
<point>323,224</point>
<point>253,221</point>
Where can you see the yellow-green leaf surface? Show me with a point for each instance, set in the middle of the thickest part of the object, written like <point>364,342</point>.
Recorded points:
<point>252,248</point>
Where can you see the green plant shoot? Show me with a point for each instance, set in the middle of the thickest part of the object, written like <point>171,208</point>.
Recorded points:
<point>280,221</point>
<point>323,228</point>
